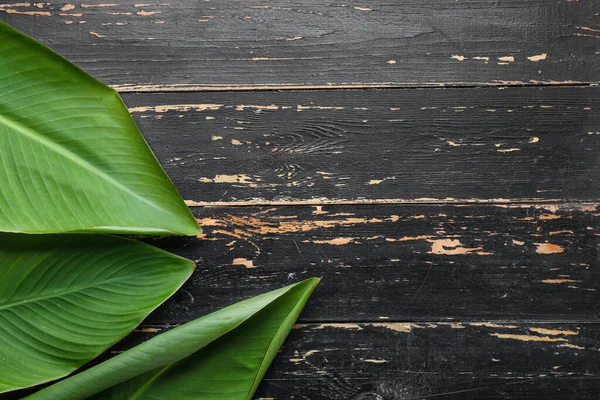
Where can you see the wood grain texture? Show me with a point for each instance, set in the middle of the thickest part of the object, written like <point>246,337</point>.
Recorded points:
<point>187,45</point>
<point>453,299</point>
<point>392,361</point>
<point>399,145</point>
<point>398,263</point>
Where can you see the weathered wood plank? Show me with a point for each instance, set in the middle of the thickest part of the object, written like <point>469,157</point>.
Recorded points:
<point>391,361</point>
<point>398,263</point>
<point>536,143</point>
<point>183,45</point>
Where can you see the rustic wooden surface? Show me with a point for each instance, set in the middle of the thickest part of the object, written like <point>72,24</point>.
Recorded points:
<point>398,262</point>
<point>395,145</point>
<point>393,360</point>
<point>436,162</point>
<point>190,45</point>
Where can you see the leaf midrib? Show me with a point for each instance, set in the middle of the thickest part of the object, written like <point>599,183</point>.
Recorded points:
<point>55,147</point>
<point>61,293</point>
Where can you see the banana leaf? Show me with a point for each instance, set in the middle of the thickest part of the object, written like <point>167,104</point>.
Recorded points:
<point>223,355</point>
<point>71,156</point>
<point>65,299</point>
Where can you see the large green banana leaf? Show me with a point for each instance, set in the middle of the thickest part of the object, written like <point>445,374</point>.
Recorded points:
<point>64,299</point>
<point>223,355</point>
<point>71,156</point>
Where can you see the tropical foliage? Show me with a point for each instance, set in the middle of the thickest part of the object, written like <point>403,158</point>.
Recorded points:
<point>74,170</point>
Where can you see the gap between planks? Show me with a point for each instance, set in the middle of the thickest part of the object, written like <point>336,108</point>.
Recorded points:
<point>447,321</point>
<point>407,202</point>
<point>156,88</point>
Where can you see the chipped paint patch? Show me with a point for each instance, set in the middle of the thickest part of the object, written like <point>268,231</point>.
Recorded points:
<point>304,108</point>
<point>564,231</point>
<point>244,261</point>
<point>67,7</point>
<point>240,178</point>
<point>545,331</point>
<point>336,242</point>
<point>548,217</point>
<point>450,247</point>
<point>572,346</point>
<point>211,222</point>
<point>177,107</point>
<point>338,326</point>
<point>492,325</point>
<point>319,211</point>
<point>274,58</point>
<point>509,150</point>
<point>409,238</point>
<point>147,13</point>
<point>534,139</point>
<point>378,181</point>
<point>98,5</point>
<point>243,107</point>
<point>538,57</point>
<point>459,58</point>
<point>506,59</point>
<point>548,248</point>
<point>527,338</point>
<point>397,326</point>
<point>248,226</point>
<point>215,138</point>
<point>148,330</point>
<point>15,5</point>
<point>558,281</point>
<point>375,361</point>
<point>39,13</point>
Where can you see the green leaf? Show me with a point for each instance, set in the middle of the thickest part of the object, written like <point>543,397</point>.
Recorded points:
<point>228,353</point>
<point>65,299</point>
<point>71,156</point>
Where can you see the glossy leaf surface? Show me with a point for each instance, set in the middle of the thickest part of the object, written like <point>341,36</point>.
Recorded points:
<point>71,156</point>
<point>65,299</point>
<point>223,355</point>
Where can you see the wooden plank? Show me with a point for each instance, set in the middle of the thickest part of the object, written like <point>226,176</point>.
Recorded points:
<point>184,45</point>
<point>398,263</point>
<point>364,145</point>
<point>391,361</point>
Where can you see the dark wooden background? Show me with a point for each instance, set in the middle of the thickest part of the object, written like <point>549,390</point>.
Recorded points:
<point>435,161</point>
